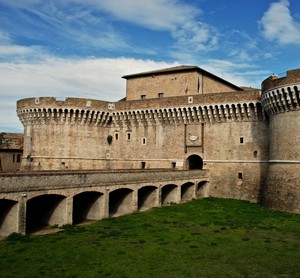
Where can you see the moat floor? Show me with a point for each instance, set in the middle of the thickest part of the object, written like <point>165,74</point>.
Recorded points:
<point>202,238</point>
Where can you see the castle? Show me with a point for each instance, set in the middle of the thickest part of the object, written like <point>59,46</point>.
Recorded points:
<point>180,133</point>
<point>173,120</point>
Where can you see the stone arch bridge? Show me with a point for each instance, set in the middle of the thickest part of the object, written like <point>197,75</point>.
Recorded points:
<point>31,201</point>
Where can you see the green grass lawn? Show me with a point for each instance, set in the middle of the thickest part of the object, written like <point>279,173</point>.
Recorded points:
<point>202,238</point>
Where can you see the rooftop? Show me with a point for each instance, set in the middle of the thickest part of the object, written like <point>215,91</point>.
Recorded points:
<point>11,141</point>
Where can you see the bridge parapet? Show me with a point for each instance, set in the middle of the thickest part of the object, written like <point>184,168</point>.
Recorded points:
<point>11,183</point>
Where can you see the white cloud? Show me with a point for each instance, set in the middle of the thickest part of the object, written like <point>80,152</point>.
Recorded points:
<point>240,74</point>
<point>153,14</point>
<point>279,25</point>
<point>178,18</point>
<point>83,78</point>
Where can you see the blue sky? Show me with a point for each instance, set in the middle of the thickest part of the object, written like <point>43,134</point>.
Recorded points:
<point>81,48</point>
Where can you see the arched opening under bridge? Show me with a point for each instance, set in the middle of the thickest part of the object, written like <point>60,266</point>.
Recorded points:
<point>187,191</point>
<point>45,210</point>
<point>147,198</point>
<point>169,194</point>
<point>87,206</point>
<point>8,216</point>
<point>120,202</point>
<point>202,190</point>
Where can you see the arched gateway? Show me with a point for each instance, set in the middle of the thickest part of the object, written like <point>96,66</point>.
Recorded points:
<point>194,162</point>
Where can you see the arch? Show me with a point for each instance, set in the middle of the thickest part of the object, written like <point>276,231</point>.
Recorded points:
<point>195,162</point>
<point>169,194</point>
<point>45,210</point>
<point>8,216</point>
<point>187,191</point>
<point>202,189</point>
<point>147,198</point>
<point>120,202</point>
<point>87,206</point>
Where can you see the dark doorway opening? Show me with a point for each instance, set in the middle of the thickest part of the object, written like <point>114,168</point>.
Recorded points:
<point>195,162</point>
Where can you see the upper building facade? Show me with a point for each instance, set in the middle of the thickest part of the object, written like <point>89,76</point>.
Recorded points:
<point>175,81</point>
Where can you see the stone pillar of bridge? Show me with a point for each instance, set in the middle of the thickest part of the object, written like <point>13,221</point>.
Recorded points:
<point>135,201</point>
<point>105,208</point>
<point>195,190</point>
<point>158,198</point>
<point>178,194</point>
<point>22,215</point>
<point>159,204</point>
<point>69,207</point>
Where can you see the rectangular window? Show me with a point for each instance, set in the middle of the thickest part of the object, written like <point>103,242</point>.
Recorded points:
<point>160,95</point>
<point>240,176</point>
<point>143,96</point>
<point>128,135</point>
<point>18,158</point>
<point>116,136</point>
<point>143,164</point>
<point>241,140</point>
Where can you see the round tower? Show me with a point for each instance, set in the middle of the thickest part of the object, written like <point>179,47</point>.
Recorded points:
<point>281,101</point>
<point>63,134</point>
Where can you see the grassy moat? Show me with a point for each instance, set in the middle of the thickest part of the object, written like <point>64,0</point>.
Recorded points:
<point>202,238</point>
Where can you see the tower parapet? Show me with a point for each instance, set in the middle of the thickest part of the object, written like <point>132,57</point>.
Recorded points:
<point>281,94</point>
<point>281,101</point>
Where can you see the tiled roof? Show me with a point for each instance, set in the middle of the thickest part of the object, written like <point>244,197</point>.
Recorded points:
<point>11,141</point>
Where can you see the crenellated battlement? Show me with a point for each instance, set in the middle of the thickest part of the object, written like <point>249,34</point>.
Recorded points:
<point>46,116</point>
<point>281,99</point>
<point>216,113</point>
<point>234,106</point>
<point>52,102</point>
<point>69,111</point>
<point>274,82</point>
<point>281,94</point>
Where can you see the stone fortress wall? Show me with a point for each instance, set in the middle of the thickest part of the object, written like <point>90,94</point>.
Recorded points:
<point>230,132</point>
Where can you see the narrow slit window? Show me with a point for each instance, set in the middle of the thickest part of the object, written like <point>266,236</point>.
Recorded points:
<point>117,136</point>
<point>128,136</point>
<point>144,141</point>
<point>241,140</point>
